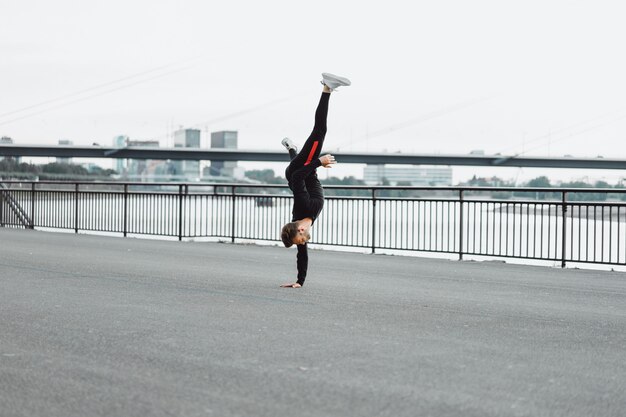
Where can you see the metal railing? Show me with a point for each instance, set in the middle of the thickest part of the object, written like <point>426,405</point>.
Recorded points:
<point>13,209</point>
<point>560,225</point>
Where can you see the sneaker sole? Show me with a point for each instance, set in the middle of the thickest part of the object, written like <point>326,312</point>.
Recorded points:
<point>332,77</point>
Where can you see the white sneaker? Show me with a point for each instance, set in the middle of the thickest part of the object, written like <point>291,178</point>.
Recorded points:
<point>287,143</point>
<point>333,81</point>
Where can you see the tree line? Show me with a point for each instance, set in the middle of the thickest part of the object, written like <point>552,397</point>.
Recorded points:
<point>268,176</point>
<point>544,182</point>
<point>10,168</point>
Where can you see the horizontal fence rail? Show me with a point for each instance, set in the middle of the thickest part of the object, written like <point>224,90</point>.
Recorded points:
<point>560,225</point>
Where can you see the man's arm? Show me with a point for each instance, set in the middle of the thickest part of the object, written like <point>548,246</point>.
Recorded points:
<point>314,187</point>
<point>302,261</point>
<point>298,177</point>
<point>297,183</point>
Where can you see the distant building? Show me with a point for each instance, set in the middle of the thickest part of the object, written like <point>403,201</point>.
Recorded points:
<point>140,168</point>
<point>64,142</point>
<point>187,138</point>
<point>224,140</point>
<point>415,175</point>
<point>121,165</point>
<point>5,140</point>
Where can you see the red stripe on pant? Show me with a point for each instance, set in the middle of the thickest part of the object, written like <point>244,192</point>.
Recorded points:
<point>313,148</point>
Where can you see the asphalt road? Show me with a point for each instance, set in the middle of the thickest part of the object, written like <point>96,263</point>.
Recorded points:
<point>99,326</point>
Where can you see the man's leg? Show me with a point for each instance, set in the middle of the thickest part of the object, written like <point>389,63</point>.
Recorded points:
<point>291,147</point>
<point>313,145</point>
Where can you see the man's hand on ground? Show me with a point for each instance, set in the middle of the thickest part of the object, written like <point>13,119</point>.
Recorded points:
<point>327,160</point>
<point>296,285</point>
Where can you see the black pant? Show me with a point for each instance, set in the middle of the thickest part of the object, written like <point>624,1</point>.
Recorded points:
<point>313,145</point>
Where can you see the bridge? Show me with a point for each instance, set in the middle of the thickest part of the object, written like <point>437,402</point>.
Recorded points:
<point>274,156</point>
<point>100,326</point>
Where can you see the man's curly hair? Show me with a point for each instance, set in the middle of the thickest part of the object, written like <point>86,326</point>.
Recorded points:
<point>290,230</point>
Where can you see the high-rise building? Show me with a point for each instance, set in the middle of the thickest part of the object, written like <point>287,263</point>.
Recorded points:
<point>223,140</point>
<point>121,165</point>
<point>187,138</point>
<point>415,175</point>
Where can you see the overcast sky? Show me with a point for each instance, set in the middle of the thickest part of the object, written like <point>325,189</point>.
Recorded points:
<point>539,77</point>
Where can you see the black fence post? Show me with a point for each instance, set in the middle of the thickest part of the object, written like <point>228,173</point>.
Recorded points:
<point>1,208</point>
<point>32,206</point>
<point>76,208</point>
<point>232,233</point>
<point>125,209</point>
<point>564,225</point>
<point>373,220</point>
<point>180,212</point>
<point>461,225</point>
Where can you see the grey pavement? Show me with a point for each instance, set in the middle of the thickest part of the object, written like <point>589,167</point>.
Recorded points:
<point>106,326</point>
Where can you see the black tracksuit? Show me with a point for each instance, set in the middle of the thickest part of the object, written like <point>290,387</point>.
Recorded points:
<point>308,195</point>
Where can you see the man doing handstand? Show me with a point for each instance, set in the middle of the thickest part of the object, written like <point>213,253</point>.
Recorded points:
<point>308,195</point>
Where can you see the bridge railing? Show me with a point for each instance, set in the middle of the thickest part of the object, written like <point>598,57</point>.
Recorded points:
<point>554,224</point>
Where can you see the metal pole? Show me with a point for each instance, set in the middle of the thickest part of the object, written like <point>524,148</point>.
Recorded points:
<point>32,206</point>
<point>460,225</point>
<point>76,208</point>
<point>232,233</point>
<point>564,231</point>
<point>180,212</point>
<point>125,209</point>
<point>2,207</point>
<point>373,220</point>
